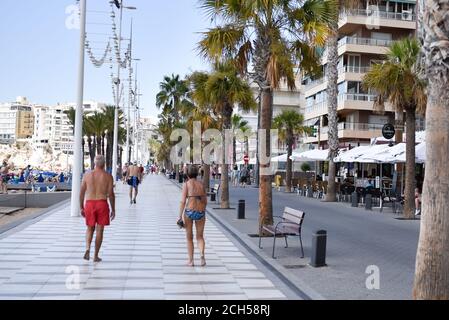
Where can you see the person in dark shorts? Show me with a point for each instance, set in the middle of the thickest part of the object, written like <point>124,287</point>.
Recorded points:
<point>133,178</point>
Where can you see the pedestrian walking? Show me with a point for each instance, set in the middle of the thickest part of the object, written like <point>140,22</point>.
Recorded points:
<point>133,178</point>
<point>193,211</point>
<point>96,188</point>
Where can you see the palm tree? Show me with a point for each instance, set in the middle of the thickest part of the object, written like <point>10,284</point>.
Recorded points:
<point>88,133</point>
<point>238,124</point>
<point>172,99</point>
<point>98,126</point>
<point>203,112</point>
<point>432,261</point>
<point>289,123</point>
<point>275,37</point>
<point>223,89</point>
<point>396,81</point>
<point>109,114</point>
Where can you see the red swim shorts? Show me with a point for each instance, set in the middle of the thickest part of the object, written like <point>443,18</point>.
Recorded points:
<point>97,212</point>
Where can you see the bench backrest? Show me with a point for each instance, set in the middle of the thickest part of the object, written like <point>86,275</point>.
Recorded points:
<point>293,215</point>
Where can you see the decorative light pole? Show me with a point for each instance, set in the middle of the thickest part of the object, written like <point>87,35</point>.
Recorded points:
<point>77,151</point>
<point>117,83</point>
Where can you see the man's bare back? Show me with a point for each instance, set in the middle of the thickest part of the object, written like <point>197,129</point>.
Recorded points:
<point>99,184</point>
<point>133,171</point>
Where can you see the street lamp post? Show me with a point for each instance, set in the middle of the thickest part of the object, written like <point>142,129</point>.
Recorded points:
<point>117,101</point>
<point>77,152</point>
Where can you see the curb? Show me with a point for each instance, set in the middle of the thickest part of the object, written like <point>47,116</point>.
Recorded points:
<point>289,279</point>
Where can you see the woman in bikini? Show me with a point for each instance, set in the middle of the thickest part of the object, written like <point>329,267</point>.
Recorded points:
<point>193,210</point>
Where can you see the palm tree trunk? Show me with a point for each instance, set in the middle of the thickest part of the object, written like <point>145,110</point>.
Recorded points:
<point>432,262</point>
<point>91,152</point>
<point>332,94</point>
<point>103,151</point>
<point>410,183</point>
<point>234,150</point>
<point>265,179</point>
<point>206,177</point>
<point>288,173</point>
<point>227,114</point>
<point>98,138</point>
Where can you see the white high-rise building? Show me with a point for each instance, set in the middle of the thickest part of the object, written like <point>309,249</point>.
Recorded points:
<point>16,121</point>
<point>52,125</point>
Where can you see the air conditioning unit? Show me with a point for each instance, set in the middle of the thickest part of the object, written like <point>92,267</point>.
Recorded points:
<point>407,15</point>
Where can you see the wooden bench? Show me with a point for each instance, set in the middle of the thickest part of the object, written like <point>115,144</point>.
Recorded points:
<point>214,192</point>
<point>289,225</point>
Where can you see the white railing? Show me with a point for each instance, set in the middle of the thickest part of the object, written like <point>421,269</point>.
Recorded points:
<point>341,70</point>
<point>356,97</point>
<point>364,41</point>
<point>373,13</point>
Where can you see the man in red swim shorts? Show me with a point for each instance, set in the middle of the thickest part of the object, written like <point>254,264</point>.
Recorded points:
<point>97,187</point>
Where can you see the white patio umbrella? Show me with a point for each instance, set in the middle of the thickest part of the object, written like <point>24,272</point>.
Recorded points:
<point>311,155</point>
<point>281,158</point>
<point>420,154</point>
<point>351,155</point>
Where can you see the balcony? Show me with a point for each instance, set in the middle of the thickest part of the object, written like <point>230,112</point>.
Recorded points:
<point>360,45</point>
<point>346,101</point>
<point>351,19</point>
<point>345,73</point>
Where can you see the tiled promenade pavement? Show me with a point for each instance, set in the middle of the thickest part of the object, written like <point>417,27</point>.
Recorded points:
<point>144,257</point>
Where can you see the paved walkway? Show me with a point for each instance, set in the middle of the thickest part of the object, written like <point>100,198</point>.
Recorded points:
<point>144,257</point>
<point>357,239</point>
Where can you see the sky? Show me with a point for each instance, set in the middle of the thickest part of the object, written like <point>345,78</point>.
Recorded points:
<point>39,53</point>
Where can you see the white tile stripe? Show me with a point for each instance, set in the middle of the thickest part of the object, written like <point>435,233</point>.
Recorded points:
<point>144,257</point>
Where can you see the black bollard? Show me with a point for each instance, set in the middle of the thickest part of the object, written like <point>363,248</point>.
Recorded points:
<point>368,201</point>
<point>241,210</point>
<point>318,258</point>
<point>212,196</point>
<point>181,178</point>
<point>354,199</point>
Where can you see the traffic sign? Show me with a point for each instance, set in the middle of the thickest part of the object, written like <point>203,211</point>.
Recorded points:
<point>246,158</point>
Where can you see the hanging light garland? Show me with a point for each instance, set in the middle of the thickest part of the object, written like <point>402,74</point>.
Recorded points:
<point>123,63</point>
<point>97,62</point>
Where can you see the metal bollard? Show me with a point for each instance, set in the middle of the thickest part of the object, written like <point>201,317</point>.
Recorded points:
<point>212,195</point>
<point>318,258</point>
<point>368,201</point>
<point>354,199</point>
<point>181,178</point>
<point>241,210</point>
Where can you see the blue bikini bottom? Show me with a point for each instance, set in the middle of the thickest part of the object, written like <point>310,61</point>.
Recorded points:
<point>195,215</point>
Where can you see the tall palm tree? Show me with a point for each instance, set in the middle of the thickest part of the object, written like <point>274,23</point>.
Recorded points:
<point>290,124</point>
<point>203,112</point>
<point>109,114</point>
<point>238,124</point>
<point>332,96</point>
<point>88,132</point>
<point>432,261</point>
<point>98,125</point>
<point>397,81</point>
<point>275,37</point>
<point>223,90</point>
<point>172,99</point>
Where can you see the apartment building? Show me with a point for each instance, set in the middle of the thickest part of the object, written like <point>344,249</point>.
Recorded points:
<point>364,34</point>
<point>16,121</point>
<point>53,127</point>
<point>283,99</point>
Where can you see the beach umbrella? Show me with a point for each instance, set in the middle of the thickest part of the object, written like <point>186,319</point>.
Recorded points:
<point>311,155</point>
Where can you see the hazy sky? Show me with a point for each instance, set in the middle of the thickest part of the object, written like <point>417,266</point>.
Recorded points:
<point>39,54</point>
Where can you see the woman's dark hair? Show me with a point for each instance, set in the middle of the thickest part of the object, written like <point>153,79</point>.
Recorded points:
<point>192,172</point>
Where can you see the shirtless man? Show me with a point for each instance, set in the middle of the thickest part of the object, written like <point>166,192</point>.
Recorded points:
<point>134,177</point>
<point>96,188</point>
